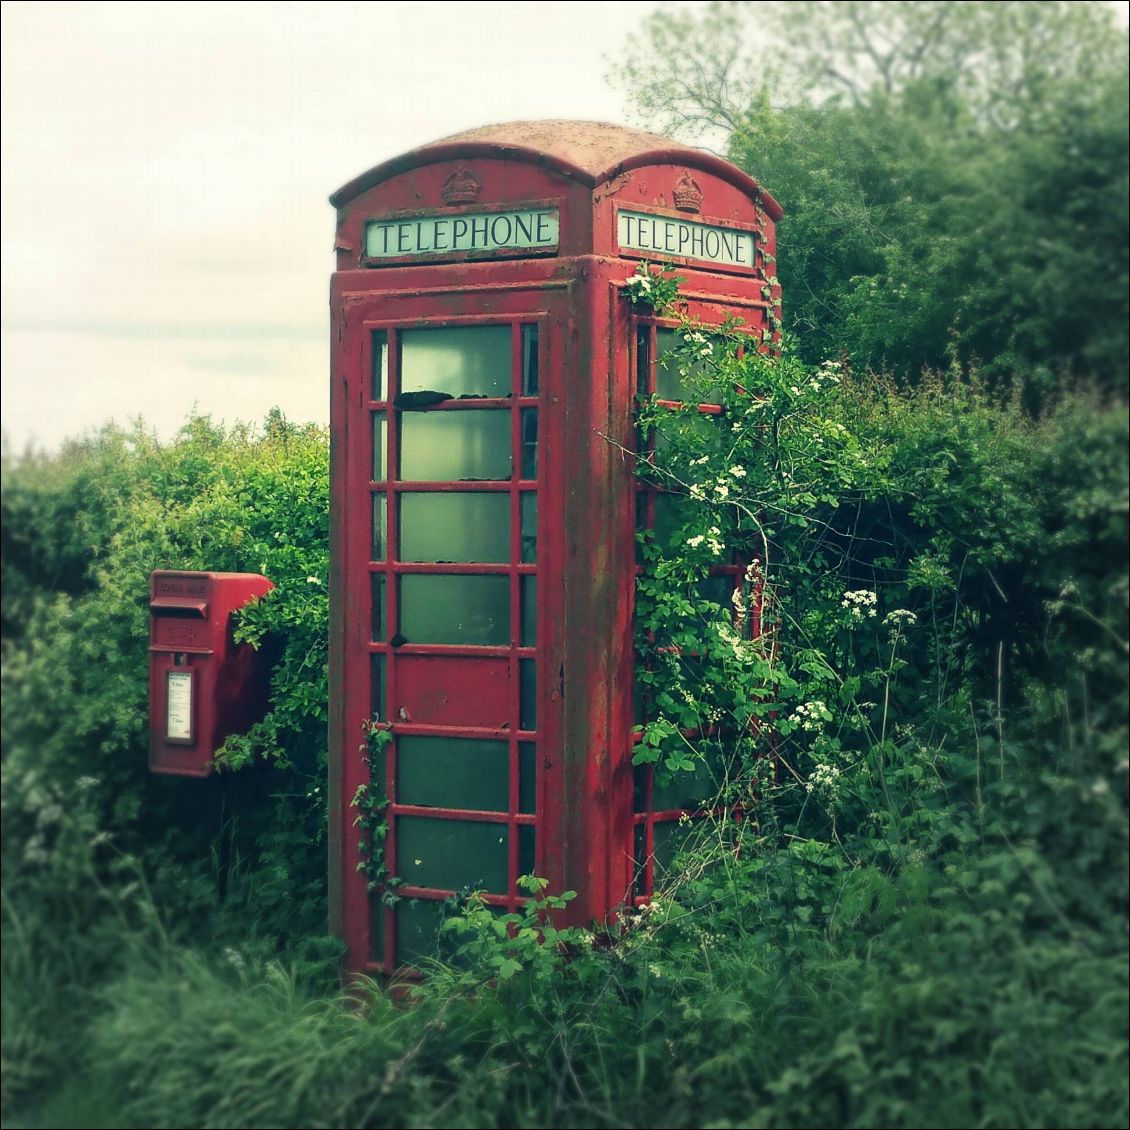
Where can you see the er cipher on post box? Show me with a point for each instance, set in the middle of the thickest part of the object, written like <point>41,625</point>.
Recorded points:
<point>485,368</point>
<point>202,685</point>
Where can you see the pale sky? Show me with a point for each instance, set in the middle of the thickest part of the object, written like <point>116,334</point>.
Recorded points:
<point>166,233</point>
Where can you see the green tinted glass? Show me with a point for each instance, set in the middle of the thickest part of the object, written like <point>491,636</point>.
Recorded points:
<point>693,790</point>
<point>380,527</point>
<point>527,777</point>
<point>527,845</point>
<point>380,365</point>
<point>529,506</point>
<point>454,527</point>
<point>457,360</point>
<point>528,704</point>
<point>682,365</point>
<point>455,446</point>
<point>529,443</point>
<point>453,773</point>
<point>452,854</point>
<point>377,587</point>
<point>377,686</point>
<point>455,609</point>
<point>417,928</point>
<point>529,360</point>
<point>380,448</point>
<point>529,611</point>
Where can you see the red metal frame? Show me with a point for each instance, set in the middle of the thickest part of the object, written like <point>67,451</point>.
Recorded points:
<point>584,818</point>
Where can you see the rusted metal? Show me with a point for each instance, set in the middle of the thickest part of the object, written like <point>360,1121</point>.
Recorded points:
<point>579,717</point>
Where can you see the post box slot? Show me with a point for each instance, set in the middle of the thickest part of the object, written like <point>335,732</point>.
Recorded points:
<point>197,608</point>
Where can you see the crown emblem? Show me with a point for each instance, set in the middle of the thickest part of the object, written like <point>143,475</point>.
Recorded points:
<point>688,194</point>
<point>462,187</point>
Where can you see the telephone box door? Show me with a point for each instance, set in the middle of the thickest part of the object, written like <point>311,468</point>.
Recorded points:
<point>441,510</point>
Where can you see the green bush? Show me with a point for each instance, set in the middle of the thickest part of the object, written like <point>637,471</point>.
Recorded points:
<point>933,934</point>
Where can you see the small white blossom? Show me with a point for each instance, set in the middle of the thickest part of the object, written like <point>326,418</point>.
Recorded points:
<point>824,780</point>
<point>737,472</point>
<point>811,716</point>
<point>860,603</point>
<point>900,616</point>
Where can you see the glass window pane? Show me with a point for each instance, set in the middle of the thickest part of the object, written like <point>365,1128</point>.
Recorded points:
<point>529,360</point>
<point>672,513</point>
<point>454,446</point>
<point>455,609</point>
<point>668,839</point>
<point>528,701</point>
<point>376,929</point>
<point>380,528</point>
<point>529,443</point>
<point>702,432</point>
<point>453,773</point>
<point>697,789</point>
<point>639,842</point>
<point>377,582</point>
<point>643,359</point>
<point>678,373</point>
<point>529,526</point>
<point>529,611</point>
<point>380,448</point>
<point>527,777</point>
<point>454,527</point>
<point>451,854</point>
<point>380,364</point>
<point>417,928</point>
<point>527,842</point>
<point>456,360</point>
<point>377,691</point>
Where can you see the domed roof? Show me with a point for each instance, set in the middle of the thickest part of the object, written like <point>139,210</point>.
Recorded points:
<point>590,152</point>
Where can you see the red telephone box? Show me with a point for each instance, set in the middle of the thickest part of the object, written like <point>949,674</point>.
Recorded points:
<point>485,362</point>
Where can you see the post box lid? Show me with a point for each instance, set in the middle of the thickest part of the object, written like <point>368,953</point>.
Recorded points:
<point>589,152</point>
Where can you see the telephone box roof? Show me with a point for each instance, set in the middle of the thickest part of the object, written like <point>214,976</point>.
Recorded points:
<point>590,152</point>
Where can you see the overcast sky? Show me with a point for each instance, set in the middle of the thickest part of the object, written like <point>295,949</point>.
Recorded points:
<point>166,233</point>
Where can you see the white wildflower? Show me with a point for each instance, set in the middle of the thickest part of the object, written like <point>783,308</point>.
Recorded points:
<point>900,616</point>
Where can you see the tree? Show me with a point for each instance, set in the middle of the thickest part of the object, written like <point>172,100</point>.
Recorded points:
<point>954,175</point>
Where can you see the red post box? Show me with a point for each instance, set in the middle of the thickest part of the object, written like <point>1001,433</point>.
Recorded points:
<point>485,364</point>
<point>202,685</point>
